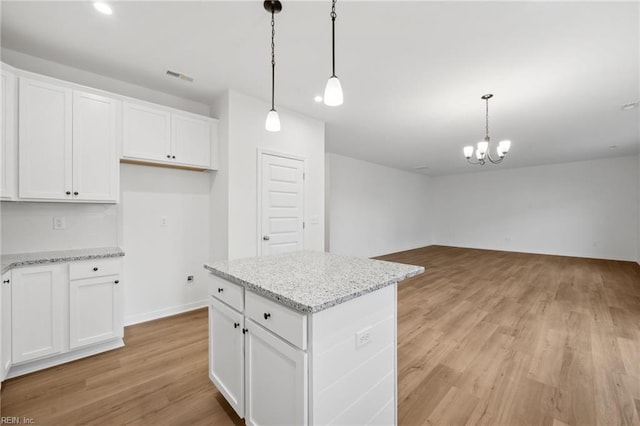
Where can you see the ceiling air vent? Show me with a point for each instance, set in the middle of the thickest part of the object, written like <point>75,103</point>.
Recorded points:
<point>180,76</point>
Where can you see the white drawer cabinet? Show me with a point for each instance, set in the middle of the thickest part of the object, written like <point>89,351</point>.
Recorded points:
<point>253,364</point>
<point>94,302</point>
<point>61,312</point>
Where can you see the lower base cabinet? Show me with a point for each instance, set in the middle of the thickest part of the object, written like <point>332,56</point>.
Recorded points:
<point>277,366</point>
<point>59,312</point>
<point>276,377</point>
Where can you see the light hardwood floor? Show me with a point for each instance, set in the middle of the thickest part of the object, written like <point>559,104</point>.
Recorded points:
<point>484,337</point>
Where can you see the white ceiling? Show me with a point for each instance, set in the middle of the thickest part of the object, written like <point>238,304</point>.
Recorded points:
<point>412,72</point>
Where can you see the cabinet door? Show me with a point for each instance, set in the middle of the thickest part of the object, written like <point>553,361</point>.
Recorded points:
<point>94,311</point>
<point>191,140</point>
<point>95,147</point>
<point>38,305</point>
<point>226,353</point>
<point>276,380</point>
<point>146,132</point>
<point>5,327</point>
<point>44,142</point>
<point>8,151</point>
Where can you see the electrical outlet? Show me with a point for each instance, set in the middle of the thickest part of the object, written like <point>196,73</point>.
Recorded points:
<point>363,337</point>
<point>164,221</point>
<point>190,280</point>
<point>59,222</point>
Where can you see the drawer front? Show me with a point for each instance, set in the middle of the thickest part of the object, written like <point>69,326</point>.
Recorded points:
<point>94,268</point>
<point>227,292</point>
<point>286,323</point>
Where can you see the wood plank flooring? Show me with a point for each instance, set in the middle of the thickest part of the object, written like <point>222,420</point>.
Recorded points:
<point>484,337</point>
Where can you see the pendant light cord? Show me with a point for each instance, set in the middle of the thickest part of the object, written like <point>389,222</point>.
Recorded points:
<point>273,60</point>
<point>333,38</point>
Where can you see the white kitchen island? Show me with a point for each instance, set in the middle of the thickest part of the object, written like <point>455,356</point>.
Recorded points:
<point>306,338</point>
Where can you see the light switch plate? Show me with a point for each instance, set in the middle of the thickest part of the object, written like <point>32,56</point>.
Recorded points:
<point>363,337</point>
<point>59,222</point>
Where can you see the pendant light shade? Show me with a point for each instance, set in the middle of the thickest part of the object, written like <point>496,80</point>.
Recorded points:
<point>273,121</point>
<point>272,124</point>
<point>333,90</point>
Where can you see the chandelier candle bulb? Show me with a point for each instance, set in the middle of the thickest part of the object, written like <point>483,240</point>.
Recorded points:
<point>468,152</point>
<point>273,121</point>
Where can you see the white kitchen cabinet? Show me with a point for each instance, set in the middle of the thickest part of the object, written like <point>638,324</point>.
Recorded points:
<point>146,132</point>
<point>226,353</point>
<point>94,311</point>
<point>45,140</point>
<point>95,147</point>
<point>68,142</point>
<point>5,327</point>
<point>276,377</point>
<point>8,129</point>
<point>38,301</point>
<point>157,135</point>
<point>191,140</point>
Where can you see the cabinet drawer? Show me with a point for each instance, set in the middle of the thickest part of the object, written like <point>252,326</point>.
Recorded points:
<point>227,292</point>
<point>285,322</point>
<point>94,268</point>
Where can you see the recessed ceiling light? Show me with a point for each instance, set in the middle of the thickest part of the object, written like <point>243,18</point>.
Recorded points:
<point>613,146</point>
<point>318,98</point>
<point>629,106</point>
<point>103,8</point>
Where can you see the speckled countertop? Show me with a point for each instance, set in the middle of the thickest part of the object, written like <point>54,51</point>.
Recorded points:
<point>11,261</point>
<point>310,281</point>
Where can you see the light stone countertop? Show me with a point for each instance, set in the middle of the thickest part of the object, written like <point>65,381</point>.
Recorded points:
<point>11,261</point>
<point>310,281</point>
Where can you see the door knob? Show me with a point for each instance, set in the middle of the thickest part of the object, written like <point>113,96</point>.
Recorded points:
<point>266,238</point>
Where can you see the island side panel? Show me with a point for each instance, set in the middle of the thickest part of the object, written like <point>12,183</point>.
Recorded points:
<point>353,361</point>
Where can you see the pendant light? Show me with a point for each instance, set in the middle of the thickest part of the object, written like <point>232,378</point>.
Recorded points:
<point>333,91</point>
<point>483,151</point>
<point>273,120</point>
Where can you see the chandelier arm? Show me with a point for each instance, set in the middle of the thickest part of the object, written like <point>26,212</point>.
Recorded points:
<point>498,161</point>
<point>472,162</point>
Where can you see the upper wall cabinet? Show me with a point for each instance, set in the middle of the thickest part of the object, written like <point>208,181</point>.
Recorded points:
<point>8,150</point>
<point>157,135</point>
<point>68,143</point>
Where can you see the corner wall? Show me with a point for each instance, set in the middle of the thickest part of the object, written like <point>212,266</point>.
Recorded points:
<point>375,210</point>
<point>584,209</point>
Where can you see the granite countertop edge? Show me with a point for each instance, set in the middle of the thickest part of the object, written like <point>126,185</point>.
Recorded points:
<point>307,309</point>
<point>42,258</point>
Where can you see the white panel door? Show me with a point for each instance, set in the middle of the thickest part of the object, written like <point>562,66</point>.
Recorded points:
<point>94,311</point>
<point>281,204</point>
<point>146,132</point>
<point>226,353</point>
<point>191,140</point>
<point>95,147</point>
<point>5,326</point>
<point>8,151</point>
<point>44,141</point>
<point>38,304</point>
<point>276,376</point>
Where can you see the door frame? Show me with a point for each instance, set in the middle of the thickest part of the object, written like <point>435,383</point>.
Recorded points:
<point>259,153</point>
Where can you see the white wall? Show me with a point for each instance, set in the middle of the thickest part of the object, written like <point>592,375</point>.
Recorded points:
<point>585,209</point>
<point>375,210</point>
<point>28,227</point>
<point>157,260</point>
<point>300,136</point>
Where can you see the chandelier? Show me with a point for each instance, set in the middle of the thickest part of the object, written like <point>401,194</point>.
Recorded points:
<point>483,150</point>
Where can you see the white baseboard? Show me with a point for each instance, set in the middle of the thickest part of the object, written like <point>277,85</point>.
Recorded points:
<point>30,367</point>
<point>164,312</point>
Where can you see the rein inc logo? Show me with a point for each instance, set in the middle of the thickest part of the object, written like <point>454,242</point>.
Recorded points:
<point>17,421</point>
